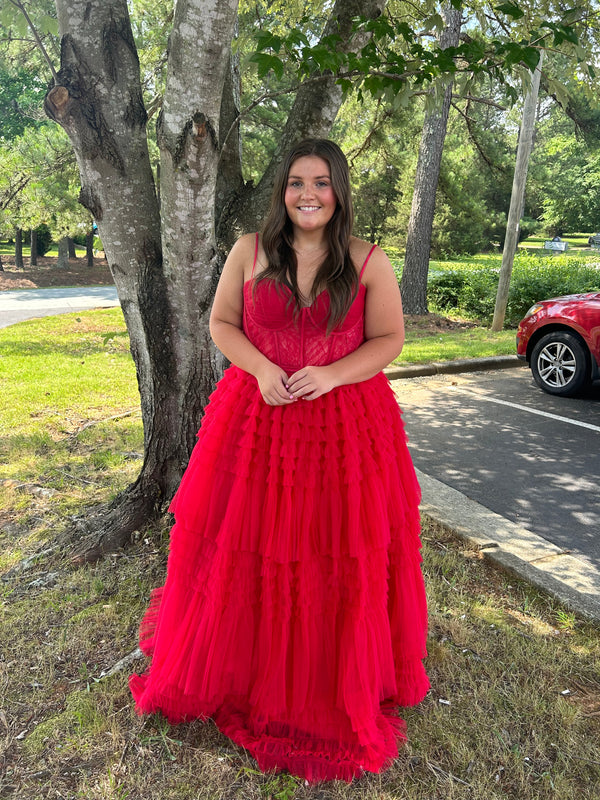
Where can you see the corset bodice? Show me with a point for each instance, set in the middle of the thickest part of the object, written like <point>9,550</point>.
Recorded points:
<point>294,337</point>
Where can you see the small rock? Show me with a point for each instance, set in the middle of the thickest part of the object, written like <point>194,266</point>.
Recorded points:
<point>49,579</point>
<point>42,491</point>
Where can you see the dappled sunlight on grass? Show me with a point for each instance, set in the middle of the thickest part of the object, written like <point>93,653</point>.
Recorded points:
<point>64,365</point>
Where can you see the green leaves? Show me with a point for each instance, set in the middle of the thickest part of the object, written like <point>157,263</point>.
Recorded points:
<point>514,53</point>
<point>402,56</point>
<point>266,63</point>
<point>562,33</point>
<point>511,10</point>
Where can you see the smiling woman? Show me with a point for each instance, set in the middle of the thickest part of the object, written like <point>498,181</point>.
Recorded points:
<point>294,608</point>
<point>310,201</point>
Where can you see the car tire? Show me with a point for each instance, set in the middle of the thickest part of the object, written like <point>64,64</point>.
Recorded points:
<point>559,364</point>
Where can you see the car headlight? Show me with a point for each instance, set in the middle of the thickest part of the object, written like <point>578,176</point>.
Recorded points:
<point>533,310</point>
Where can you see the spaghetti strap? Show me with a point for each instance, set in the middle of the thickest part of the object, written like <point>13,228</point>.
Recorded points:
<point>255,256</point>
<point>366,261</point>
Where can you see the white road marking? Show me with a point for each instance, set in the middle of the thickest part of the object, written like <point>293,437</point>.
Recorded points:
<point>533,411</point>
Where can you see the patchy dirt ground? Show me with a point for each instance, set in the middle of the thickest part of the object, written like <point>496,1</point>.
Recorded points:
<point>47,274</point>
<point>429,324</point>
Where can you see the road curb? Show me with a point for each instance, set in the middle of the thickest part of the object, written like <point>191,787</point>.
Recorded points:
<point>519,551</point>
<point>451,367</point>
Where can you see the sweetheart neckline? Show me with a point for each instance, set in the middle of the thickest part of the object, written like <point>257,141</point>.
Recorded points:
<point>322,292</point>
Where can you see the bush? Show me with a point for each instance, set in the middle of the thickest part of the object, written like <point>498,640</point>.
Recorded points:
<point>536,278</point>
<point>472,291</point>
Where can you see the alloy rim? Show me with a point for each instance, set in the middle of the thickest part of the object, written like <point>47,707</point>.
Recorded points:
<point>557,364</point>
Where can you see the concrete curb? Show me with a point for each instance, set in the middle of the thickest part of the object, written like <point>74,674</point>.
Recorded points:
<point>452,367</point>
<point>569,579</point>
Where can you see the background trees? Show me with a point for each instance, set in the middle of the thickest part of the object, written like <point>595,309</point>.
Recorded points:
<point>237,85</point>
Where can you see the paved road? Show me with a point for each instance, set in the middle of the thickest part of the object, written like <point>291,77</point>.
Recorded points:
<point>521,453</point>
<point>22,304</point>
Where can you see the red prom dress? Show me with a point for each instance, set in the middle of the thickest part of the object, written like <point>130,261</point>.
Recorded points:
<point>294,612</point>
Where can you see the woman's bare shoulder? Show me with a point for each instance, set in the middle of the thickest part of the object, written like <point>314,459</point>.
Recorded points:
<point>360,250</point>
<point>244,245</point>
<point>241,255</point>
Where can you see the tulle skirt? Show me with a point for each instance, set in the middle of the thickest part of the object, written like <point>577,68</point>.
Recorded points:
<point>294,610</point>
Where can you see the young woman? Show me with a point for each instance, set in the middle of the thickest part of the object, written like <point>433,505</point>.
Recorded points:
<point>294,608</point>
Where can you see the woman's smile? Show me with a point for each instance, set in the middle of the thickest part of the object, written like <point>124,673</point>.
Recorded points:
<point>309,197</point>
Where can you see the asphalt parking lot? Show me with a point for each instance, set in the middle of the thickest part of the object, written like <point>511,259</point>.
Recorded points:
<point>500,441</point>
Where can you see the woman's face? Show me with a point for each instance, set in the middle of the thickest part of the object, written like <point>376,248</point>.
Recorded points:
<point>309,197</point>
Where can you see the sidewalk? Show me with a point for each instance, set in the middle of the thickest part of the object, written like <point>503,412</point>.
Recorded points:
<point>22,304</point>
<point>508,545</point>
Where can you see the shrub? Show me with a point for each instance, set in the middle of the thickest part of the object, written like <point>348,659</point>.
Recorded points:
<point>536,278</point>
<point>472,291</point>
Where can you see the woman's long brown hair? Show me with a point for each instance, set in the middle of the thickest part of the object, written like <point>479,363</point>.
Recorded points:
<point>336,272</point>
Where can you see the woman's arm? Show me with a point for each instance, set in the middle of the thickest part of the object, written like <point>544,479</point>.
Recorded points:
<point>384,336</point>
<point>226,326</point>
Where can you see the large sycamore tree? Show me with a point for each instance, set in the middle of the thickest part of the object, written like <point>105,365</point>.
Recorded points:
<point>166,256</point>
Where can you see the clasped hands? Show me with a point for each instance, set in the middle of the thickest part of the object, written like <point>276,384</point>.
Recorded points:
<point>308,383</point>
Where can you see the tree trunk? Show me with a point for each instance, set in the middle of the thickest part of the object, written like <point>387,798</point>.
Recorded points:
<point>165,289</point>
<point>19,249</point>
<point>71,246</point>
<point>33,255</point>
<point>517,197</point>
<point>413,285</point>
<point>313,113</point>
<point>63,253</point>
<point>1,265</point>
<point>89,248</point>
<point>165,267</point>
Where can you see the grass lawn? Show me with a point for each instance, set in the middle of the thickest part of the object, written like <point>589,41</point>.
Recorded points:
<point>474,342</point>
<point>576,241</point>
<point>8,249</point>
<point>514,710</point>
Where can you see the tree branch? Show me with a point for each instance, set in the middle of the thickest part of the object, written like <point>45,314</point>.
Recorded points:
<point>36,36</point>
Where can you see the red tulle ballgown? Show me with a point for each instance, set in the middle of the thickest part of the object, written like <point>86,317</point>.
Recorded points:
<point>294,610</point>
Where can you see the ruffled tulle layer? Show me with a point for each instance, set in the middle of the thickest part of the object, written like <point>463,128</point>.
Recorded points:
<point>294,609</point>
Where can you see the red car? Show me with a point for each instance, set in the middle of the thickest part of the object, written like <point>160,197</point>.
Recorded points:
<point>560,339</point>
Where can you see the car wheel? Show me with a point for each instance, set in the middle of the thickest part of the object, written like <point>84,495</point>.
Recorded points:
<point>559,363</point>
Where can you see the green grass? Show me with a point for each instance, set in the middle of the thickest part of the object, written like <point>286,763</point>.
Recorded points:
<point>470,343</point>
<point>7,249</point>
<point>79,362</point>
<point>576,241</point>
<point>500,653</point>
<point>62,379</point>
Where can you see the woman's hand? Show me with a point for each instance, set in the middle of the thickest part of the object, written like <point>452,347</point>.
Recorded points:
<point>310,382</point>
<point>272,382</point>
